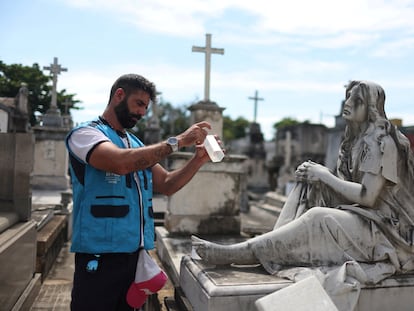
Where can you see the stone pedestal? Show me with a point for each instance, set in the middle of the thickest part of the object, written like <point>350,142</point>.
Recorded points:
<point>208,111</point>
<point>19,284</point>
<point>210,203</point>
<point>16,152</point>
<point>51,160</point>
<point>232,288</point>
<point>52,118</point>
<point>225,288</point>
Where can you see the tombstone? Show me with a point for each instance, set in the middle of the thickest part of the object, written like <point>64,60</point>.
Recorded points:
<point>53,118</point>
<point>67,120</point>
<point>193,210</point>
<point>51,159</point>
<point>256,163</point>
<point>14,115</point>
<point>19,284</point>
<point>204,206</point>
<point>295,144</point>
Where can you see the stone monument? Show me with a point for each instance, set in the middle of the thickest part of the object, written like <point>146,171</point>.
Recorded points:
<point>51,159</point>
<point>256,163</point>
<point>210,203</point>
<point>53,116</point>
<point>19,284</point>
<point>352,229</point>
<point>207,110</point>
<point>191,209</point>
<point>14,112</point>
<point>295,144</point>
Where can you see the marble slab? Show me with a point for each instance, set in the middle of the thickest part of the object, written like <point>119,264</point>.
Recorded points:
<point>305,295</point>
<point>226,288</point>
<point>237,288</point>
<point>233,288</point>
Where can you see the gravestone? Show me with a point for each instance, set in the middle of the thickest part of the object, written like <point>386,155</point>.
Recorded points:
<point>216,211</point>
<point>14,112</point>
<point>210,203</point>
<point>50,178</point>
<point>256,162</point>
<point>50,156</point>
<point>295,144</point>
<point>19,284</point>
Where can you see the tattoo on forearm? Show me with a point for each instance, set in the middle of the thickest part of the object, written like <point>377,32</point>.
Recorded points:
<point>142,162</point>
<point>161,153</point>
<point>152,157</point>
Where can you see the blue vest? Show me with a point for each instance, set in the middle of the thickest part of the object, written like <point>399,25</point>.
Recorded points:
<point>110,211</point>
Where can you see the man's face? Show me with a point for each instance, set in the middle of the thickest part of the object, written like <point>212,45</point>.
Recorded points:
<point>132,108</point>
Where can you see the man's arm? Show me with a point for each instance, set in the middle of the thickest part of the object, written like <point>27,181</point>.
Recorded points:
<point>168,183</point>
<point>108,157</point>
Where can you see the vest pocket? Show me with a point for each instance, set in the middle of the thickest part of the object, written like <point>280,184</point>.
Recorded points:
<point>114,211</point>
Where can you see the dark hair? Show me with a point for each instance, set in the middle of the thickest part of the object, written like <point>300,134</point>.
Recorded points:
<point>133,82</point>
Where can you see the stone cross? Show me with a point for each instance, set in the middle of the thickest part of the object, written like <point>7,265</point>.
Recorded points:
<point>208,50</point>
<point>256,98</point>
<point>68,104</point>
<point>55,69</point>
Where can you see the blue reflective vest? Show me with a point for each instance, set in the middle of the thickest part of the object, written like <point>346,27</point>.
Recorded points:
<point>110,211</point>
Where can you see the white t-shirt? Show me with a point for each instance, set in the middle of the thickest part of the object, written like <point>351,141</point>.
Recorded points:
<point>83,140</point>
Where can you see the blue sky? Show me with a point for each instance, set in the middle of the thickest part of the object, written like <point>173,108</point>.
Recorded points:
<point>297,54</point>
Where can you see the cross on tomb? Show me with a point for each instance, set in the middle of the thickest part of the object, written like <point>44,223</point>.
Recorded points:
<point>55,69</point>
<point>208,50</point>
<point>68,104</point>
<point>256,98</point>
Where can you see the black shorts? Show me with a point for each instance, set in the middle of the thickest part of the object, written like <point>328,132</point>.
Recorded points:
<point>105,288</point>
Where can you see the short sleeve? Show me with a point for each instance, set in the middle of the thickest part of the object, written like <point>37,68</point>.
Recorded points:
<point>371,159</point>
<point>380,157</point>
<point>389,159</point>
<point>84,139</point>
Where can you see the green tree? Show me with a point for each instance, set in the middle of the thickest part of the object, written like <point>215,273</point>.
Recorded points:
<point>39,85</point>
<point>176,119</point>
<point>234,129</point>
<point>285,122</point>
<point>173,120</point>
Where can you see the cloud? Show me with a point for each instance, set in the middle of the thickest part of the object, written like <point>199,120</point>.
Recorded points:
<point>297,47</point>
<point>293,17</point>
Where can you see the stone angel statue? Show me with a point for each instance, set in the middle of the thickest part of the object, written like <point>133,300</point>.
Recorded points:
<point>363,213</point>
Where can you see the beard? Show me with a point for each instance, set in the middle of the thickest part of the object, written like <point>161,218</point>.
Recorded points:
<point>124,116</point>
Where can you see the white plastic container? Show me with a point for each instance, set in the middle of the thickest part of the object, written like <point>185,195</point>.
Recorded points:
<point>213,149</point>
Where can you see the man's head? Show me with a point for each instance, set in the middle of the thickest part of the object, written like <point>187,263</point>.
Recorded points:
<point>131,94</point>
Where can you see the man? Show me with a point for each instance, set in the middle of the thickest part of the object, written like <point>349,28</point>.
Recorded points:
<point>113,178</point>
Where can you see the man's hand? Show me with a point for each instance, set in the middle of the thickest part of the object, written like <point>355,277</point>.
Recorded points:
<point>194,135</point>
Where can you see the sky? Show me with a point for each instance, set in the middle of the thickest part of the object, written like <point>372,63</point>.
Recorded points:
<point>297,54</point>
